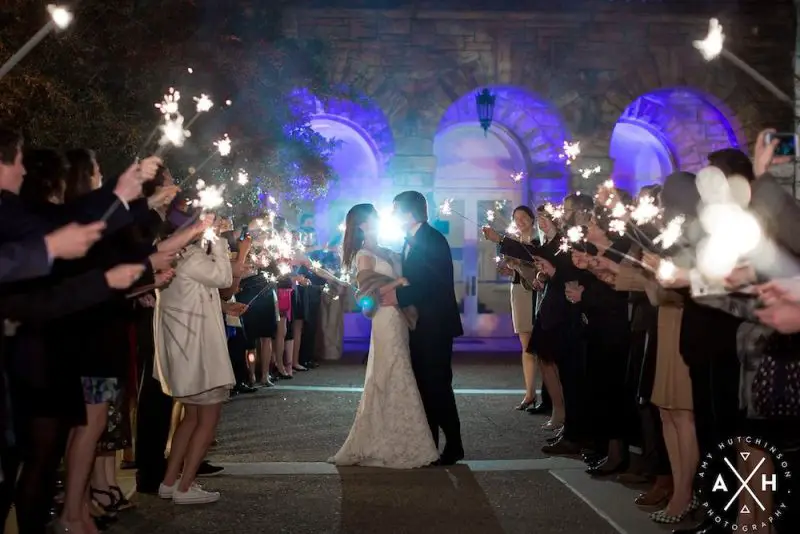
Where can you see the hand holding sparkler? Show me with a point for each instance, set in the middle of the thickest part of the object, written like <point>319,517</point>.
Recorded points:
<point>60,18</point>
<point>491,234</point>
<point>163,197</point>
<point>129,185</point>
<point>545,266</point>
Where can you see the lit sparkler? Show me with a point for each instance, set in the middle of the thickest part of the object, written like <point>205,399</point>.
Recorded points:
<point>645,210</point>
<point>60,19</point>
<point>672,233</point>
<point>588,172</point>
<point>223,146</point>
<point>618,226</point>
<point>666,270</point>
<point>169,104</point>
<point>173,133</point>
<point>571,151</point>
<point>713,46</point>
<point>242,178</point>
<point>209,198</point>
<point>517,176</point>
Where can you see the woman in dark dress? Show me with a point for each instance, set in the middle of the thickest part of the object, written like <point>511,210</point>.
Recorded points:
<point>608,342</point>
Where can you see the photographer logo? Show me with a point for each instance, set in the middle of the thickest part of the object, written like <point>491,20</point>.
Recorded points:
<point>745,484</point>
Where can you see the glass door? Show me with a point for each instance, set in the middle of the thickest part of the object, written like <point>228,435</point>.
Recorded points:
<point>483,295</point>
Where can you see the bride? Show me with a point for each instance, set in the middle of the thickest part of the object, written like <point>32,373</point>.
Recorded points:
<point>390,428</point>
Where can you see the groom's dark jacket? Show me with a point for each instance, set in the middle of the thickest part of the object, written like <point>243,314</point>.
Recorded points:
<point>428,267</point>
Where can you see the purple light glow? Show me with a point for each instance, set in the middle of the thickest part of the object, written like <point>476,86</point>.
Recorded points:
<point>529,127</point>
<point>666,130</point>
<point>365,147</point>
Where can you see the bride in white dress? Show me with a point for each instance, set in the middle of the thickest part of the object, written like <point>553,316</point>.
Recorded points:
<point>390,428</point>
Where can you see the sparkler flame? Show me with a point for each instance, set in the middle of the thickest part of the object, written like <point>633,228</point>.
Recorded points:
<point>575,234</point>
<point>672,232</point>
<point>587,172</point>
<point>571,151</point>
<point>223,145</point>
<point>243,177</point>
<point>204,103</point>
<point>446,208</point>
<point>617,225</point>
<point>645,210</point>
<point>711,46</point>
<point>554,211</point>
<point>490,215</point>
<point>666,270</point>
<point>210,198</point>
<point>173,132</point>
<point>517,176</point>
<point>169,105</point>
<point>60,15</point>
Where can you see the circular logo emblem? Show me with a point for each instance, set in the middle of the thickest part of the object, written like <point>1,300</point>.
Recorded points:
<point>745,484</point>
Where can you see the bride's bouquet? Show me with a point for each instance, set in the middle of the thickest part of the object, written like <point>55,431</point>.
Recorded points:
<point>371,286</point>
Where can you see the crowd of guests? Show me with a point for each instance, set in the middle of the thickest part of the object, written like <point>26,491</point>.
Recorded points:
<point>630,357</point>
<point>127,321</point>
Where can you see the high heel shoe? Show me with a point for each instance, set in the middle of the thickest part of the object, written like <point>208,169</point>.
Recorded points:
<point>603,469</point>
<point>656,498</point>
<point>524,405</point>
<point>663,518</point>
<point>121,502</point>
<point>98,509</point>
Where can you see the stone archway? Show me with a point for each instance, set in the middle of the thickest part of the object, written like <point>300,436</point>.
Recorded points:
<point>528,126</point>
<point>365,147</point>
<point>666,130</point>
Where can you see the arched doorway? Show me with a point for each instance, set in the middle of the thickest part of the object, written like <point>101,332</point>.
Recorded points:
<point>365,146</point>
<point>516,162</point>
<point>667,130</point>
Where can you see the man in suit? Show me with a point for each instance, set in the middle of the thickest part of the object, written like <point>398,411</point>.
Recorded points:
<point>428,267</point>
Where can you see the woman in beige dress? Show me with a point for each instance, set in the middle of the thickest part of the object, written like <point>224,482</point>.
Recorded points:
<point>523,300</point>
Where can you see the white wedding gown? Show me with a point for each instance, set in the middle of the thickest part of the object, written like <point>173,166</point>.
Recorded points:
<point>390,429</point>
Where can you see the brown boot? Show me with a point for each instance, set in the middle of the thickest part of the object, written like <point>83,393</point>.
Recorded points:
<point>658,496</point>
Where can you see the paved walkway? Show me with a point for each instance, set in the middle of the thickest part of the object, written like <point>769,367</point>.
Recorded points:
<point>274,444</point>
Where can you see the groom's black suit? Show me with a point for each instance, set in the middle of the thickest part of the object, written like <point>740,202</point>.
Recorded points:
<point>428,267</point>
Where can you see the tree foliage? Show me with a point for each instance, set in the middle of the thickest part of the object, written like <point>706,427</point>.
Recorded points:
<point>95,85</point>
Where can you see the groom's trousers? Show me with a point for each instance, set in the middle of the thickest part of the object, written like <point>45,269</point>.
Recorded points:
<point>432,361</point>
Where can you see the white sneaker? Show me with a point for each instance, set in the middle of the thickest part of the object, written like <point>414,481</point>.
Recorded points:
<point>166,492</point>
<point>195,495</point>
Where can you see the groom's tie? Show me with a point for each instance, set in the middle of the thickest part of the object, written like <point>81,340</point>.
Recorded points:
<point>408,242</point>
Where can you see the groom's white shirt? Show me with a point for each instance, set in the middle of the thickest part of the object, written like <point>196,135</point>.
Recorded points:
<point>411,233</point>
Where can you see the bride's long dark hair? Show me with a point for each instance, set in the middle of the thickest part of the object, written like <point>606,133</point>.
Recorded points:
<point>353,234</point>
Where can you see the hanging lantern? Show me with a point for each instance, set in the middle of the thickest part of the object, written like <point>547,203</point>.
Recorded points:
<point>485,104</point>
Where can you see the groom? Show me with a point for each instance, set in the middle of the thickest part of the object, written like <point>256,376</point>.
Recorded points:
<point>428,267</point>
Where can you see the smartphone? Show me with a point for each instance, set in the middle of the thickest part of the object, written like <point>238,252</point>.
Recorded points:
<point>787,143</point>
<point>244,234</point>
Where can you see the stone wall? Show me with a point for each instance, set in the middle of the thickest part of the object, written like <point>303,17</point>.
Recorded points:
<point>590,64</point>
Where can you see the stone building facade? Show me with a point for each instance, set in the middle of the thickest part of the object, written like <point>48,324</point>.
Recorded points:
<point>586,61</point>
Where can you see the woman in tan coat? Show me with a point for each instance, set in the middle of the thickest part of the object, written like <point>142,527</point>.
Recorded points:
<point>192,361</point>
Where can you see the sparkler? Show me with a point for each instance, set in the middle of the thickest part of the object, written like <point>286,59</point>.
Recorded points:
<point>714,45</point>
<point>202,105</point>
<point>223,146</point>
<point>446,209</point>
<point>242,178</point>
<point>672,233</point>
<point>60,18</point>
<point>587,172</point>
<point>571,151</point>
<point>517,176</point>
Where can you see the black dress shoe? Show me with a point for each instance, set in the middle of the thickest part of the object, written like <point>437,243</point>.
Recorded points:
<point>562,447</point>
<point>706,527</point>
<point>451,457</point>
<point>604,470</point>
<point>244,388</point>
<point>539,408</point>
